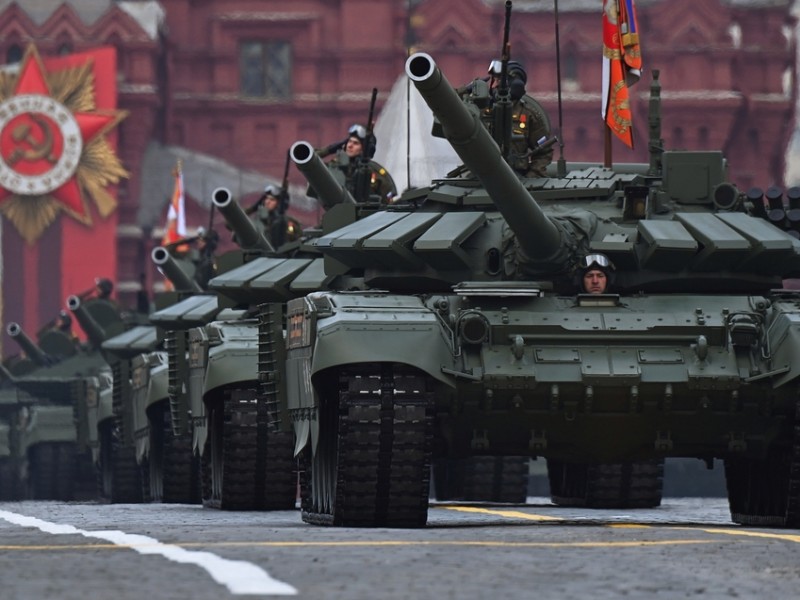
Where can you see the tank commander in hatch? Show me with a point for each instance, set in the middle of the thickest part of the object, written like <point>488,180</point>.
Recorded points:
<point>531,139</point>
<point>596,271</point>
<point>103,288</point>
<point>364,178</point>
<point>279,228</point>
<point>530,125</point>
<point>203,257</point>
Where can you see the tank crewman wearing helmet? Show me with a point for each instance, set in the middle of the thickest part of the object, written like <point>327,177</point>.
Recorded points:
<point>205,264</point>
<point>358,148</point>
<point>103,288</point>
<point>530,123</point>
<point>278,227</point>
<point>596,272</point>
<point>63,322</point>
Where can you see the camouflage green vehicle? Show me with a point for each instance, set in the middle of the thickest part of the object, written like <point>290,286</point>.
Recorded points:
<point>105,402</point>
<point>229,348</point>
<point>48,448</point>
<point>170,471</point>
<point>475,341</point>
<point>213,384</point>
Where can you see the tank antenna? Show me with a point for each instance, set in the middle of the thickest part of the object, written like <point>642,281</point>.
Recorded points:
<point>561,164</point>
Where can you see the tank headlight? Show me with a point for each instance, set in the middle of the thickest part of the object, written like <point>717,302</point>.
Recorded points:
<point>473,328</point>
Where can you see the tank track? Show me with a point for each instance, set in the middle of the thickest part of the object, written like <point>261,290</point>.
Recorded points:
<point>251,466</point>
<point>173,471</point>
<point>766,493</point>
<point>372,466</point>
<point>120,478</point>
<point>614,485</point>
<point>10,483</point>
<point>52,470</point>
<point>482,479</point>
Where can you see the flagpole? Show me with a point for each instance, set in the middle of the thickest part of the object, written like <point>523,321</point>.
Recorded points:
<point>607,160</point>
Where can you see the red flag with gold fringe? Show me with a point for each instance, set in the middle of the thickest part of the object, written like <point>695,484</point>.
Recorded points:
<point>622,66</point>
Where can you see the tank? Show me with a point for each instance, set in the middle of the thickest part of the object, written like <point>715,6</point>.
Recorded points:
<point>160,439</point>
<point>213,380</point>
<point>229,348</point>
<point>47,439</point>
<point>109,412</point>
<point>473,339</point>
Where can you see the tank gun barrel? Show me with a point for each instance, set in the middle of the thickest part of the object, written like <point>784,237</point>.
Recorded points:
<point>170,267</point>
<point>537,235</point>
<point>94,331</point>
<point>34,352</point>
<point>249,237</point>
<point>309,163</point>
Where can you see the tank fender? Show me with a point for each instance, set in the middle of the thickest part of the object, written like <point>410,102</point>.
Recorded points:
<point>5,440</point>
<point>234,359</point>
<point>783,341</point>
<point>356,337</point>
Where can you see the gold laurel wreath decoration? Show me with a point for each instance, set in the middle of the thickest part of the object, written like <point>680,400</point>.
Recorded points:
<point>98,167</point>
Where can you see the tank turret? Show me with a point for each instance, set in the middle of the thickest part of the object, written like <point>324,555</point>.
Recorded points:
<point>329,191</point>
<point>97,335</point>
<point>248,235</point>
<point>538,236</point>
<point>34,352</point>
<point>173,271</point>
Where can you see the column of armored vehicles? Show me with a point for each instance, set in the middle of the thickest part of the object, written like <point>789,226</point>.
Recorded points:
<point>445,333</point>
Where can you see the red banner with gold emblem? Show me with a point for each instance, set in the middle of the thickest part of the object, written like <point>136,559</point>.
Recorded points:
<point>58,169</point>
<point>622,64</point>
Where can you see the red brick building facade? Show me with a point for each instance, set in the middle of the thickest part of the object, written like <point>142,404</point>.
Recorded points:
<point>238,81</point>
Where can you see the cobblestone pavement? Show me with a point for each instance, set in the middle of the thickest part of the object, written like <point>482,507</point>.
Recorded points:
<point>687,548</point>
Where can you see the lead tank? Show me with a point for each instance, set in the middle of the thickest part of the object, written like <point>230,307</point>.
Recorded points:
<point>475,341</point>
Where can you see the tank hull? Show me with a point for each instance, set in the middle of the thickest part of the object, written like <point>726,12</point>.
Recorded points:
<point>577,380</point>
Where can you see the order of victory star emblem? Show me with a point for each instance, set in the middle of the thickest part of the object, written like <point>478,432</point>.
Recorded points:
<point>53,153</point>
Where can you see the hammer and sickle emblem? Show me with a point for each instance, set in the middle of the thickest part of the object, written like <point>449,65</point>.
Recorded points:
<point>36,149</point>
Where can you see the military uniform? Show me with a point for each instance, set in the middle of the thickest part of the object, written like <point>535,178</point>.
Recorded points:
<point>529,124</point>
<point>278,227</point>
<point>381,183</point>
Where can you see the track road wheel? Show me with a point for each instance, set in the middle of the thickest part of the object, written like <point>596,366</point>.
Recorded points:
<point>612,485</point>
<point>766,493</point>
<point>372,463</point>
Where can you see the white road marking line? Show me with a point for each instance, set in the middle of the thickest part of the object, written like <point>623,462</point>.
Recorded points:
<point>240,577</point>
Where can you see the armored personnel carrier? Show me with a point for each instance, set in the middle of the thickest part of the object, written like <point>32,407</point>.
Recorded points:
<point>474,339</point>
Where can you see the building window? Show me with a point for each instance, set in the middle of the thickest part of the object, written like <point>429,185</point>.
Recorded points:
<point>14,54</point>
<point>265,69</point>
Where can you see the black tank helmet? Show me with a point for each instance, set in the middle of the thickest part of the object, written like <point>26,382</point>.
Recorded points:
<point>65,320</point>
<point>517,76</point>
<point>515,70</point>
<point>596,261</point>
<point>104,287</point>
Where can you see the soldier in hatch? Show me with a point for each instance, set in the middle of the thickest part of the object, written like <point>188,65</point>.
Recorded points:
<point>529,154</point>
<point>596,271</point>
<point>364,178</point>
<point>279,228</point>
